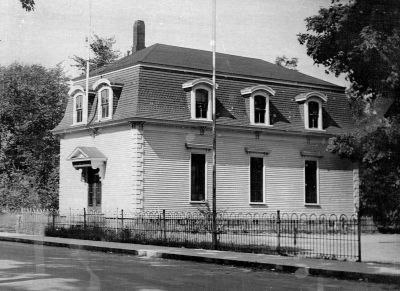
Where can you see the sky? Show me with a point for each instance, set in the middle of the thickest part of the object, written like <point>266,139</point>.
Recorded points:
<point>56,30</point>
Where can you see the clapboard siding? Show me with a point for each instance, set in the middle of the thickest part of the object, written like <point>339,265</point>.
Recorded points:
<point>117,187</point>
<point>167,173</point>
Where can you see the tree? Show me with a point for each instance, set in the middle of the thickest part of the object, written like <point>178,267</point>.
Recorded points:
<point>103,54</point>
<point>285,62</point>
<point>32,101</point>
<point>28,5</point>
<point>361,39</point>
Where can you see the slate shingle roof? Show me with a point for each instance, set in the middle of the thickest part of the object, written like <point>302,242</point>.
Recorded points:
<point>151,92</point>
<point>187,58</point>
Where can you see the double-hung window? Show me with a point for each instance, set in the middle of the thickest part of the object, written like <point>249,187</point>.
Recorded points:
<point>258,104</point>
<point>202,100</point>
<point>260,109</point>
<point>198,177</point>
<point>311,181</point>
<point>312,105</point>
<point>313,115</point>
<point>256,180</point>
<point>105,103</point>
<point>78,108</point>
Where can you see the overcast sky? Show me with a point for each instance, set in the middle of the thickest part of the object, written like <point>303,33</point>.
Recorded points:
<point>56,30</point>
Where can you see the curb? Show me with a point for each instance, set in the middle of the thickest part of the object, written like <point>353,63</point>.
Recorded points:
<point>284,268</point>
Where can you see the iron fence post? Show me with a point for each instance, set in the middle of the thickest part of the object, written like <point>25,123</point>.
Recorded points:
<point>122,218</point>
<point>84,223</point>
<point>359,234</point>
<point>164,226</point>
<point>278,234</point>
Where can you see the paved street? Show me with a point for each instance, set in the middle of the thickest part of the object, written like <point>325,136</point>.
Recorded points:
<point>36,267</point>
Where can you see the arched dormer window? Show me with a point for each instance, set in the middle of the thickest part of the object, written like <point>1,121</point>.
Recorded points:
<point>312,103</point>
<point>259,104</point>
<point>78,108</point>
<point>79,114</point>
<point>200,98</point>
<point>104,99</point>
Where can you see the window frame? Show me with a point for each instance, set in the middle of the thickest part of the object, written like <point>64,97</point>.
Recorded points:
<point>307,114</point>
<point>75,113</point>
<point>267,118</point>
<point>317,181</point>
<point>99,103</point>
<point>260,156</point>
<point>198,152</point>
<point>193,102</point>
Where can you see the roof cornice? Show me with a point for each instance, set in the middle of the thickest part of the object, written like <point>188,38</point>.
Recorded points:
<point>192,124</point>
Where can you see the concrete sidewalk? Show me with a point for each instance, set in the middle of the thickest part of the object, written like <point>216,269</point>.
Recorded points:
<point>381,273</point>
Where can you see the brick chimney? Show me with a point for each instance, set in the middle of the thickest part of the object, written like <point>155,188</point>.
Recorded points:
<point>138,36</point>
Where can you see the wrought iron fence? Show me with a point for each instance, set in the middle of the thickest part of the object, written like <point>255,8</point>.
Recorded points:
<point>330,237</point>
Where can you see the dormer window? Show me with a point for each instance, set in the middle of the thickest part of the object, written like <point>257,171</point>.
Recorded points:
<point>312,110</point>
<point>79,108</point>
<point>260,109</point>
<point>313,114</point>
<point>105,103</point>
<point>202,103</point>
<point>104,98</point>
<point>258,104</point>
<point>200,98</point>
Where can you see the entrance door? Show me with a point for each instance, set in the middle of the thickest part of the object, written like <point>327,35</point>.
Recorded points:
<point>94,190</point>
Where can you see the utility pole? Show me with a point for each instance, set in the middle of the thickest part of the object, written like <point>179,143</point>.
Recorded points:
<point>214,133</point>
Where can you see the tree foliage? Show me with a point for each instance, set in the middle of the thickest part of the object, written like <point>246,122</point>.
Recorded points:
<point>32,101</point>
<point>285,62</point>
<point>28,5</point>
<point>361,39</point>
<point>103,54</point>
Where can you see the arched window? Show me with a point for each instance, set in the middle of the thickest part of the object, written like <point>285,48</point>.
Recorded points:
<point>260,104</point>
<point>313,114</point>
<point>259,96</point>
<point>78,108</point>
<point>199,91</point>
<point>312,103</point>
<point>202,100</point>
<point>105,102</point>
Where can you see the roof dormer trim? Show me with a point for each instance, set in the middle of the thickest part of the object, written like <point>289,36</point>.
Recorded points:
<point>192,83</point>
<point>305,96</point>
<point>251,90</point>
<point>73,89</point>
<point>100,82</point>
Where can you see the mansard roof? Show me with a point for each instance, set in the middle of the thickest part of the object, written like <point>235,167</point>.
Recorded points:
<point>151,88</point>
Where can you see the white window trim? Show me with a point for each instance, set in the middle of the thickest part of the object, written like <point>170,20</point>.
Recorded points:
<point>304,181</point>
<point>110,103</point>
<point>193,103</point>
<point>74,115</point>
<point>264,180</point>
<point>306,117</point>
<point>198,152</point>
<point>267,113</point>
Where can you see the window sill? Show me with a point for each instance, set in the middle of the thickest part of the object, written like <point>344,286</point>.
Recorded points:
<point>261,125</point>
<point>198,202</point>
<point>201,119</point>
<point>315,129</point>
<point>317,205</point>
<point>258,203</point>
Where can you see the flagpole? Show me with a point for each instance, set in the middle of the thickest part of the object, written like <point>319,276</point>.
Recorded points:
<point>214,154</point>
<point>88,58</point>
